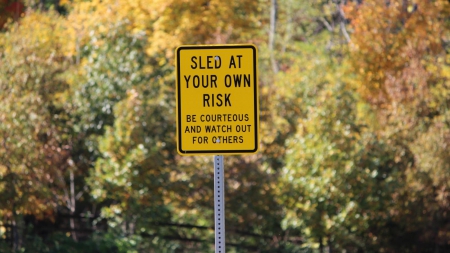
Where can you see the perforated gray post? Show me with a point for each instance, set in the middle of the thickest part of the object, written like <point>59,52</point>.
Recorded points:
<point>219,204</point>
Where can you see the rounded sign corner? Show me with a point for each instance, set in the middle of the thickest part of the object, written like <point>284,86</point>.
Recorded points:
<point>181,151</point>
<point>254,47</point>
<point>179,48</point>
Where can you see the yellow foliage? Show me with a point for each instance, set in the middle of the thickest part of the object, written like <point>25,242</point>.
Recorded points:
<point>167,23</point>
<point>36,32</point>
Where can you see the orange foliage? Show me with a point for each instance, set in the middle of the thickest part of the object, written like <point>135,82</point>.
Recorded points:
<point>395,43</point>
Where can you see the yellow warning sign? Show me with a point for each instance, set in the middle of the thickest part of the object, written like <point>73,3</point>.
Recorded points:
<point>217,99</point>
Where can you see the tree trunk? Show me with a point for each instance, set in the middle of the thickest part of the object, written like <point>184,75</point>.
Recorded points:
<point>321,245</point>
<point>72,206</point>
<point>273,18</point>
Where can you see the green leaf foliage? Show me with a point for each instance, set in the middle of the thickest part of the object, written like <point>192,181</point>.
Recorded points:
<point>354,126</point>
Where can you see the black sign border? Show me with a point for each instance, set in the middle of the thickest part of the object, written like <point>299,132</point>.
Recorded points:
<point>256,113</point>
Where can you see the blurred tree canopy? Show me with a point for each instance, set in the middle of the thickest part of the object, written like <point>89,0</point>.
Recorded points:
<point>354,126</point>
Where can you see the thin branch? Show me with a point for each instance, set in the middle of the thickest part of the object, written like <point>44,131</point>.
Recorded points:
<point>342,24</point>
<point>80,193</point>
<point>326,24</point>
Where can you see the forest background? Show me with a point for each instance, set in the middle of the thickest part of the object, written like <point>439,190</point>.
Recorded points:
<point>355,127</point>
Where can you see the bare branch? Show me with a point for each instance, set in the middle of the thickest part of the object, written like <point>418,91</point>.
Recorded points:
<point>326,24</point>
<point>342,24</point>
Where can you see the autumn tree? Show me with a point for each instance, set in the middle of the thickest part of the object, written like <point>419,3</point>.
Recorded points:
<point>35,127</point>
<point>401,61</point>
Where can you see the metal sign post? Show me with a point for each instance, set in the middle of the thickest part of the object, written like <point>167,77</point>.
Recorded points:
<point>219,204</point>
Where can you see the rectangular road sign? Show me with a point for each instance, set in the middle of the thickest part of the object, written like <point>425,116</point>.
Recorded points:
<point>217,99</point>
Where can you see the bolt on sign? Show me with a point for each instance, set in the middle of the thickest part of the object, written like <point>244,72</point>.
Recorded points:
<point>217,99</point>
